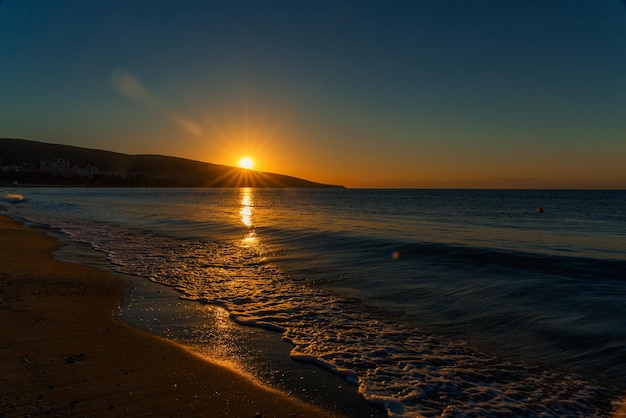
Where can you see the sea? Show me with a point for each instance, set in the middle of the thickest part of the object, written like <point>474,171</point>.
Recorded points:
<point>451,303</point>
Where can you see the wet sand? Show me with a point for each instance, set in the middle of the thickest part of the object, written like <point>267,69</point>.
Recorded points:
<point>63,353</point>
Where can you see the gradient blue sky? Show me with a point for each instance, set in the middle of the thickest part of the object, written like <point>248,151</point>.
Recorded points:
<point>491,93</point>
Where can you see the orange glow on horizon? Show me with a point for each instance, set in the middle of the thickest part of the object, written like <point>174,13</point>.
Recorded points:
<point>247,124</point>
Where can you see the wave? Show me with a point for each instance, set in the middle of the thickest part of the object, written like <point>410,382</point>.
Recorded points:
<point>497,299</point>
<point>573,264</point>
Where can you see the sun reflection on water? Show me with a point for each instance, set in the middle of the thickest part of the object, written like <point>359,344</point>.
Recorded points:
<point>246,216</point>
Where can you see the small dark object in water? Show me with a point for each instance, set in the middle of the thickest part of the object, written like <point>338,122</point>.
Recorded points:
<point>74,358</point>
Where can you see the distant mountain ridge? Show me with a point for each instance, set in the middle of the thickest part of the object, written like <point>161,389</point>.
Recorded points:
<point>27,161</point>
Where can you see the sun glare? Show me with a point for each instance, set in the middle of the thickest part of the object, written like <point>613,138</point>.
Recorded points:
<point>246,162</point>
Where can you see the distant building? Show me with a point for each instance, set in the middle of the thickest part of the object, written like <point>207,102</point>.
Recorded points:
<point>61,167</point>
<point>11,168</point>
<point>57,166</point>
<point>86,170</point>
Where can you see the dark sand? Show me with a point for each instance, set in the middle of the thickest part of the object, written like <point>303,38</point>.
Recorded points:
<point>62,353</point>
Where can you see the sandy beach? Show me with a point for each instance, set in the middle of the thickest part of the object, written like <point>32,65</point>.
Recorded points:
<point>62,353</point>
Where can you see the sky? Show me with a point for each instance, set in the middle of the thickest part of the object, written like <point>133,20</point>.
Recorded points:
<point>478,94</point>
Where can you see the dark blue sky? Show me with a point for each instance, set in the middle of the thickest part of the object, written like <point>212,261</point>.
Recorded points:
<point>405,93</point>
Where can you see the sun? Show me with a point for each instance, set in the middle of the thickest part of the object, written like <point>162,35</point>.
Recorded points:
<point>246,162</point>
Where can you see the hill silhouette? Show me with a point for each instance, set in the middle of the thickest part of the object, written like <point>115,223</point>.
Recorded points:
<point>26,161</point>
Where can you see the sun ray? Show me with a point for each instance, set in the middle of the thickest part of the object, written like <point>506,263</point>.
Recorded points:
<point>250,126</point>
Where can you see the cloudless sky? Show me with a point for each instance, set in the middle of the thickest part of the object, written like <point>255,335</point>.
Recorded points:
<point>484,93</point>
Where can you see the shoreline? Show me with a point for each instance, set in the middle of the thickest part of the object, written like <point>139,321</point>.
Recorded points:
<point>207,330</point>
<point>64,352</point>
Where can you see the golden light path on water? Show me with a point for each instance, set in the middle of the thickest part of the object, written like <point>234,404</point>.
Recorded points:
<point>246,216</point>
<point>220,339</point>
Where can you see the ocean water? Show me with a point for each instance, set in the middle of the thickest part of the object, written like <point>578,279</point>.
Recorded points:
<point>432,302</point>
